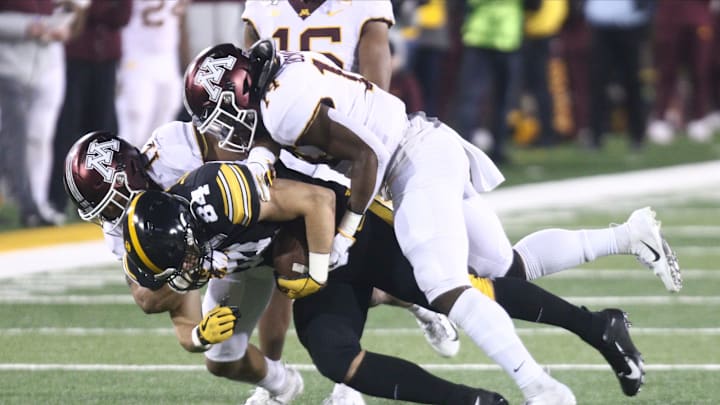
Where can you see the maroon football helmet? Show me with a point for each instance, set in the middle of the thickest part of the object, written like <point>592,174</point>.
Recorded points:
<point>218,87</point>
<point>102,174</point>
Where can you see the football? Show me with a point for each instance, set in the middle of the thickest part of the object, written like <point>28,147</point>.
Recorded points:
<point>290,253</point>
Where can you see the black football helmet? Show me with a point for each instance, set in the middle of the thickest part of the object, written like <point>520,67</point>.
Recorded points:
<point>223,86</point>
<point>102,173</point>
<point>163,239</point>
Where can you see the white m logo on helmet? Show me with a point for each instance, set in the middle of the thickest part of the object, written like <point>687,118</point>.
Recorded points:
<point>211,72</point>
<point>99,157</point>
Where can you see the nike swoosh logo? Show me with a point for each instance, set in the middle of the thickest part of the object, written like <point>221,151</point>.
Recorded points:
<point>654,252</point>
<point>635,372</point>
<point>332,13</point>
<point>515,370</point>
<point>204,324</point>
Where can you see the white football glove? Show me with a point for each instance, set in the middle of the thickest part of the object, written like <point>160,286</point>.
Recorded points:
<point>218,266</point>
<point>340,250</point>
<point>344,239</point>
<point>260,163</point>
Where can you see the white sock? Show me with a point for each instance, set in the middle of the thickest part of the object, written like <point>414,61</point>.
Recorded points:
<point>425,315</point>
<point>274,380</point>
<point>552,250</point>
<point>490,327</point>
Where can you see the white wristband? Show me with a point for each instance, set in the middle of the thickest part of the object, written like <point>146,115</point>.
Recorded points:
<point>196,340</point>
<point>261,154</point>
<point>318,264</point>
<point>350,223</point>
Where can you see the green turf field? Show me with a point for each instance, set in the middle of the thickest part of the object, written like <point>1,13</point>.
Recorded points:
<point>76,337</point>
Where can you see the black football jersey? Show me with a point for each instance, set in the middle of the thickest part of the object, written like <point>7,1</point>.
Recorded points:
<point>226,200</point>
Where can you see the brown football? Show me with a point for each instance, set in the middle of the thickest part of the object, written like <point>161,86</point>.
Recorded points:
<point>290,253</point>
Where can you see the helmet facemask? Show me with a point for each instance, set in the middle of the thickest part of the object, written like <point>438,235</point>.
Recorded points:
<point>193,272</point>
<point>114,201</point>
<point>232,126</point>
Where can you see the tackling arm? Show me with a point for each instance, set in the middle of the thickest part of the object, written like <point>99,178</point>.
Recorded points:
<point>374,54</point>
<point>344,139</point>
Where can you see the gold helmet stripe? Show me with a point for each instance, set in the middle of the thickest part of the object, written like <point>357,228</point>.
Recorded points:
<point>135,241</point>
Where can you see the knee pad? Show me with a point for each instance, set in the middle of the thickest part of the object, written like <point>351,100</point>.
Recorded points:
<point>332,346</point>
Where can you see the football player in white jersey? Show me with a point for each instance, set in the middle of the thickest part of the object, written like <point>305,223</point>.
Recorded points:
<point>104,171</point>
<point>308,105</point>
<point>354,35</point>
<point>149,79</point>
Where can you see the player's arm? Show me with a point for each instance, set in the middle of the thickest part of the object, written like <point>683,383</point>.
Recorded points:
<point>346,139</point>
<point>185,315</point>
<point>291,199</point>
<point>374,53</point>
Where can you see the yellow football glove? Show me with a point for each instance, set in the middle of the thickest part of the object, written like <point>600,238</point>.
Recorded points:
<point>299,287</point>
<point>217,326</point>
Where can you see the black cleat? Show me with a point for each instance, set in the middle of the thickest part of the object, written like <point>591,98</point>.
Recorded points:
<point>489,398</point>
<point>620,352</point>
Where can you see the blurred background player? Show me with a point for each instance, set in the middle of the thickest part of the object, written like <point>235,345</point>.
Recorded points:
<point>355,36</point>
<point>32,82</point>
<point>618,32</point>
<point>489,72</point>
<point>89,105</point>
<point>149,87</point>
<point>210,22</point>
<point>683,40</point>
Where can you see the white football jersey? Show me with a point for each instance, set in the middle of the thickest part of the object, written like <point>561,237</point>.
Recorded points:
<point>307,79</point>
<point>173,150</point>
<point>333,27</point>
<point>154,27</point>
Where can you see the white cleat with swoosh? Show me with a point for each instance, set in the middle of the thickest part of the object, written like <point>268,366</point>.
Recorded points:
<point>651,249</point>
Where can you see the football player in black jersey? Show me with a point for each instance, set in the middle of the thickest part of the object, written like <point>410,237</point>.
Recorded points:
<point>339,309</point>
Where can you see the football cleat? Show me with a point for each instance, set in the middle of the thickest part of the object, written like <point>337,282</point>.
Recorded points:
<point>648,245</point>
<point>489,398</point>
<point>260,396</point>
<point>620,352</point>
<point>441,334</point>
<point>292,388</point>
<point>344,395</point>
<point>548,391</point>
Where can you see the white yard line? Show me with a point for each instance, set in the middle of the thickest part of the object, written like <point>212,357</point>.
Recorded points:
<point>539,331</point>
<point>124,299</point>
<point>310,367</point>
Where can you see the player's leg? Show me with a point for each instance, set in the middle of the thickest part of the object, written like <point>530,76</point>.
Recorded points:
<point>437,247</point>
<point>43,111</point>
<point>167,100</point>
<point>439,332</point>
<point>273,325</point>
<point>135,100</point>
<point>234,358</point>
<point>329,325</point>
<point>551,250</point>
<point>606,330</point>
